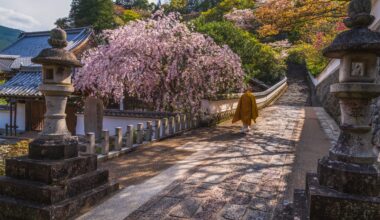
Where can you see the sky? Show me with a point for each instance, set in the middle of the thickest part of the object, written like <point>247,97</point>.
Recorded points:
<point>33,15</point>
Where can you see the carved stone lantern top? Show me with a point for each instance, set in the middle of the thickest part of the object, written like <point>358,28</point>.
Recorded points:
<point>359,38</point>
<point>57,54</point>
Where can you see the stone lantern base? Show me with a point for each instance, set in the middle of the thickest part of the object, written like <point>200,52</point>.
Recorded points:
<point>324,197</point>
<point>52,189</point>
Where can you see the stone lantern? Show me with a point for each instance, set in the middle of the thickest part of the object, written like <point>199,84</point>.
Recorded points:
<point>347,185</point>
<point>57,66</point>
<point>53,182</point>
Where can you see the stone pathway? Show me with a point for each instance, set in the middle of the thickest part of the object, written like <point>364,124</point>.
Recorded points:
<point>245,179</point>
<point>236,176</point>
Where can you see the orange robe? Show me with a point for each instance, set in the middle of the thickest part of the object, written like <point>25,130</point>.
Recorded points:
<point>247,109</point>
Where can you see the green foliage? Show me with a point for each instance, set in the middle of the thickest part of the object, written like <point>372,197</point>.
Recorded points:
<point>96,13</point>
<point>178,5</point>
<point>308,55</point>
<point>12,150</point>
<point>206,5</point>
<point>225,6</point>
<point>259,60</point>
<point>130,15</point>
<point>7,36</point>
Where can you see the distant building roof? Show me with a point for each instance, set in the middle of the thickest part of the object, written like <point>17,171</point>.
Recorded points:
<point>6,63</point>
<point>29,44</point>
<point>23,84</point>
<point>17,58</point>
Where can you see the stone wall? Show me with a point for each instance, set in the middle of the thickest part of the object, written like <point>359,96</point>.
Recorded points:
<point>329,101</point>
<point>331,105</point>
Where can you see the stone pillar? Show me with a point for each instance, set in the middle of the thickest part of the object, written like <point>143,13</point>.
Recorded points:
<point>188,121</point>
<point>157,129</point>
<point>118,138</point>
<point>105,142</point>
<point>140,133</point>
<point>347,184</point>
<point>129,135</point>
<point>93,116</point>
<point>177,124</point>
<point>171,125</point>
<point>164,132</point>
<point>53,182</point>
<point>91,147</point>
<point>149,131</point>
<point>183,122</point>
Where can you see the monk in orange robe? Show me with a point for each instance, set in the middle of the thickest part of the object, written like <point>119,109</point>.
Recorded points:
<point>246,110</point>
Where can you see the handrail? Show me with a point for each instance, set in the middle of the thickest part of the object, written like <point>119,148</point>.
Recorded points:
<point>217,110</point>
<point>258,94</point>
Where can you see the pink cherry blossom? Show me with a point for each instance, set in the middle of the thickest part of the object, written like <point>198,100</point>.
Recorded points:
<point>162,63</point>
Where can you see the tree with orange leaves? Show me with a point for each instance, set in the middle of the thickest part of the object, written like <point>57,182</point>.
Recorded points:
<point>279,16</point>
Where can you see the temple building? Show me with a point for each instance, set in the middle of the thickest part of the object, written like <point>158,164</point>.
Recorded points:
<point>26,108</point>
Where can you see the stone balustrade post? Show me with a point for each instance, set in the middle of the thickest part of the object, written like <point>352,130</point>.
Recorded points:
<point>177,124</point>
<point>129,136</point>
<point>118,138</point>
<point>157,129</point>
<point>140,133</point>
<point>91,147</point>
<point>197,121</point>
<point>148,131</point>
<point>105,142</point>
<point>165,122</point>
<point>188,121</point>
<point>171,125</point>
<point>183,122</point>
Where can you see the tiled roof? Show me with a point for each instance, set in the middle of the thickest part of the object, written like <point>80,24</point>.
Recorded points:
<point>30,44</point>
<point>23,84</point>
<point>23,62</point>
<point>6,63</point>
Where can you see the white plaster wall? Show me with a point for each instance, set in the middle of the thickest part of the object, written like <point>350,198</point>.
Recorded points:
<point>4,118</point>
<point>213,107</point>
<point>111,122</point>
<point>20,116</point>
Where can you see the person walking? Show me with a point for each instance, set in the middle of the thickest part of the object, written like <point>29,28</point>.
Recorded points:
<point>246,110</point>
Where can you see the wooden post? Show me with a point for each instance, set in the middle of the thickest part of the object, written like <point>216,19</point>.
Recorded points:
<point>140,133</point>
<point>149,131</point>
<point>118,138</point>
<point>105,142</point>
<point>130,136</point>
<point>91,143</point>
<point>157,129</point>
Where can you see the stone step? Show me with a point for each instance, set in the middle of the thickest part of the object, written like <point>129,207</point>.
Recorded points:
<point>20,209</point>
<point>300,205</point>
<point>329,204</point>
<point>50,171</point>
<point>50,194</point>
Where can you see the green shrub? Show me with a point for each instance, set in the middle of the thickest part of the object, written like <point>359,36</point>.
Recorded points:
<point>259,60</point>
<point>216,13</point>
<point>130,15</point>
<point>307,54</point>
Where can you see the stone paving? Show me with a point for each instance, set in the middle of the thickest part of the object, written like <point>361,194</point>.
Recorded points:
<point>244,180</point>
<point>247,177</point>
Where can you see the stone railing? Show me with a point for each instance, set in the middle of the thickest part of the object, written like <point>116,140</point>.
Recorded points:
<point>224,106</point>
<point>124,141</point>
